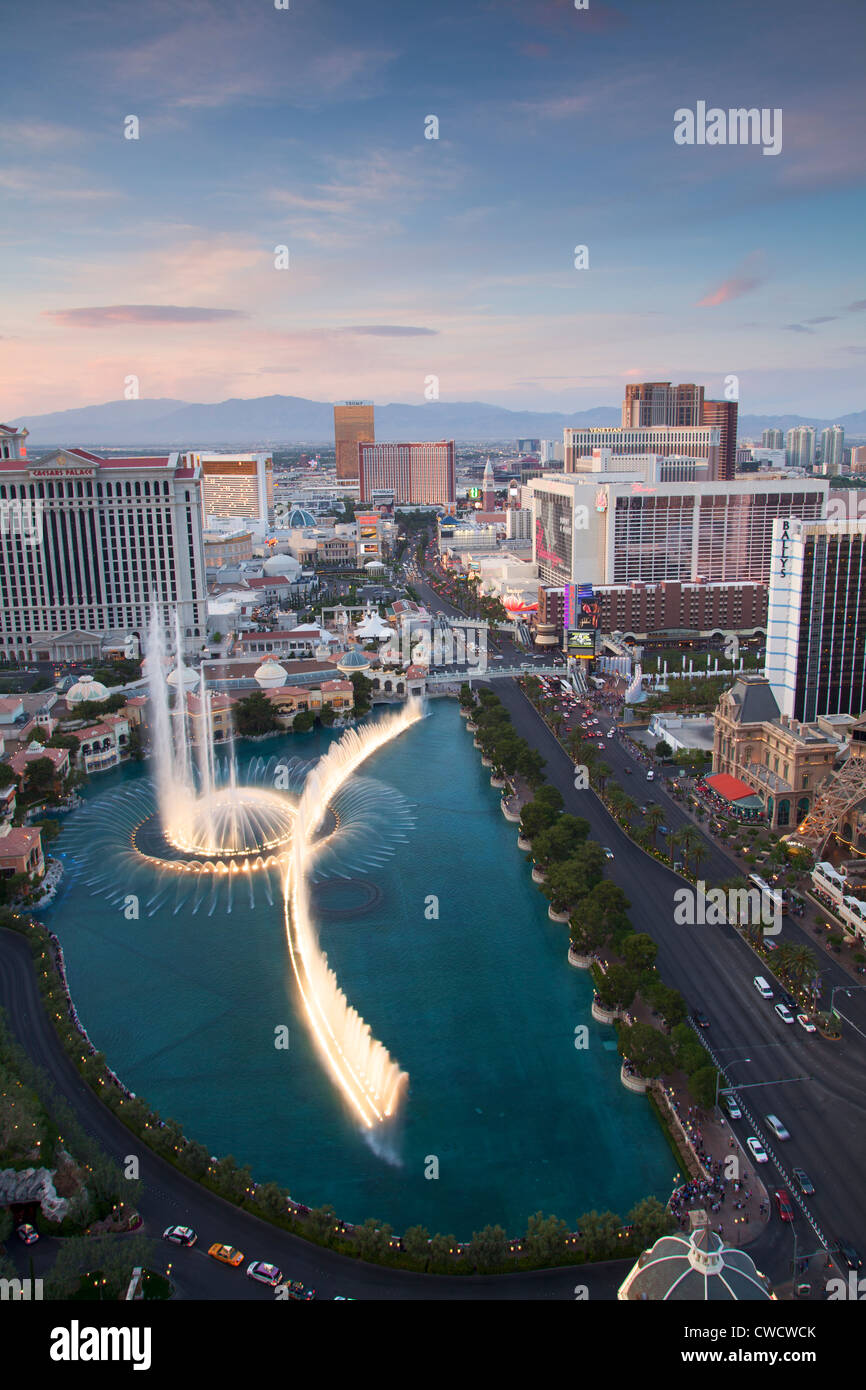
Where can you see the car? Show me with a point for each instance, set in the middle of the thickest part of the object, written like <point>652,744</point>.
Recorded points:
<point>663,830</point>
<point>804,1182</point>
<point>762,987</point>
<point>650,776</point>
<point>610,733</point>
<point>627,771</point>
<point>849,1253</point>
<point>180,1235</point>
<point>298,1292</point>
<point>732,1108</point>
<point>784,1013</point>
<point>343,1298</point>
<point>700,1018</point>
<point>601,747</point>
<point>642,810</point>
<point>27,1233</point>
<point>227,1255</point>
<point>264,1273</point>
<point>788,1000</point>
<point>756,1149</point>
<point>777,1127</point>
<point>783,1204</point>
<point>608,853</point>
<point>806,1023</point>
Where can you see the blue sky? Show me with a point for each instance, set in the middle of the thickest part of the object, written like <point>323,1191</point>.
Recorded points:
<point>412,257</point>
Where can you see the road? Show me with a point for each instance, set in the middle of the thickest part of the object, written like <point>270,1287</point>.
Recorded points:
<point>713,968</point>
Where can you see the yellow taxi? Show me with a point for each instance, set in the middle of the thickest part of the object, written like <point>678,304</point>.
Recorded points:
<point>227,1255</point>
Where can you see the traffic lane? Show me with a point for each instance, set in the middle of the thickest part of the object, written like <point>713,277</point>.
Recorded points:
<point>715,973</point>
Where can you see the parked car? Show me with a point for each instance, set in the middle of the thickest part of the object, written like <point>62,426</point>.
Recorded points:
<point>783,1204</point>
<point>180,1235</point>
<point>756,1149</point>
<point>804,1182</point>
<point>806,1023</point>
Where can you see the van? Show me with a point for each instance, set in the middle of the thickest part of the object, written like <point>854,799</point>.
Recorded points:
<point>650,776</point>
<point>762,987</point>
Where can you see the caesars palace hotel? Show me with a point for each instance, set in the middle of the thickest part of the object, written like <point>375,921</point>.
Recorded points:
<point>85,544</point>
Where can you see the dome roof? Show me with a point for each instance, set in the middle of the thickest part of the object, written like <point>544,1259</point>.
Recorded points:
<point>182,675</point>
<point>271,674</point>
<point>299,517</point>
<point>374,565</point>
<point>86,688</point>
<point>282,564</point>
<point>698,1267</point>
<point>354,660</point>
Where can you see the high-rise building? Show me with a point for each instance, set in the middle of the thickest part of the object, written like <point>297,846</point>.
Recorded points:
<point>816,633</point>
<point>685,441</point>
<point>832,446</point>
<point>858,458</point>
<point>724,415</point>
<point>610,528</point>
<point>488,488</point>
<point>772,439</point>
<point>800,444</point>
<point>103,536</point>
<point>240,485</point>
<point>528,446</point>
<point>660,403</point>
<point>417,474</point>
<point>353,423</point>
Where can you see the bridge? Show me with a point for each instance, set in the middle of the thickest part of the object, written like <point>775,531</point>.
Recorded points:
<point>494,672</point>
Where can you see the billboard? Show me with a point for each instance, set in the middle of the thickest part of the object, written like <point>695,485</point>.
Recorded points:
<point>580,642</point>
<point>587,608</point>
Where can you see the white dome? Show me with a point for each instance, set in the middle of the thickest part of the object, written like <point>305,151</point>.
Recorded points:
<point>182,675</point>
<point>271,674</point>
<point>374,565</point>
<point>282,564</point>
<point>86,689</point>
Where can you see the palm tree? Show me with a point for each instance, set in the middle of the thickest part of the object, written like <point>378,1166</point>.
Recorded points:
<point>803,966</point>
<point>603,771</point>
<point>689,842</point>
<point>628,806</point>
<point>654,818</point>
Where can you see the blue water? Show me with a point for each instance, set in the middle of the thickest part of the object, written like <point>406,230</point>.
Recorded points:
<point>479,1006</point>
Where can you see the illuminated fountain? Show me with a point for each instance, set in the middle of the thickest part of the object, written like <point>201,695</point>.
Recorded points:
<point>363,1068</point>
<point>198,815</point>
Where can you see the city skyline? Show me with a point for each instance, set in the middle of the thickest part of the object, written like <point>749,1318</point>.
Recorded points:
<point>412,258</point>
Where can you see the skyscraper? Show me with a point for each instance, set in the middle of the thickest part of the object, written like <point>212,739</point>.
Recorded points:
<point>417,474</point>
<point>723,414</point>
<point>832,444</point>
<point>800,444</point>
<point>684,441</point>
<point>772,439</point>
<point>816,631</point>
<point>239,485</point>
<point>660,403</point>
<point>353,423</point>
<point>109,533</point>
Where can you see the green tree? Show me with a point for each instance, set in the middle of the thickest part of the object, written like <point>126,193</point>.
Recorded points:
<point>663,749</point>
<point>618,987</point>
<point>560,840</point>
<point>321,1221</point>
<point>639,951</point>
<point>441,1247</point>
<point>654,818</point>
<point>327,716</point>
<point>416,1242</point>
<point>650,1221</point>
<point>601,1233</point>
<point>648,1050</point>
<point>373,1238</point>
<point>303,721</point>
<point>702,1084</point>
<point>488,1248</point>
<point>255,714</point>
<point>545,1238</point>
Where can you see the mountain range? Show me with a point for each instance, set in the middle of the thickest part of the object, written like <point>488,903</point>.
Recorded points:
<point>269,421</point>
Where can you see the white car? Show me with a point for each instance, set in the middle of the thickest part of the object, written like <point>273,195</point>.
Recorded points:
<point>784,1013</point>
<point>806,1023</point>
<point>777,1127</point>
<point>264,1273</point>
<point>756,1149</point>
<point>608,853</point>
<point>180,1235</point>
<point>732,1108</point>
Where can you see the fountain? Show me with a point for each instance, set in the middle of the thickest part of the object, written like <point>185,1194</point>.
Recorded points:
<point>226,826</point>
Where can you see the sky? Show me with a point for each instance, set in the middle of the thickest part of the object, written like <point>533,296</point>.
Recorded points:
<point>412,258</point>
